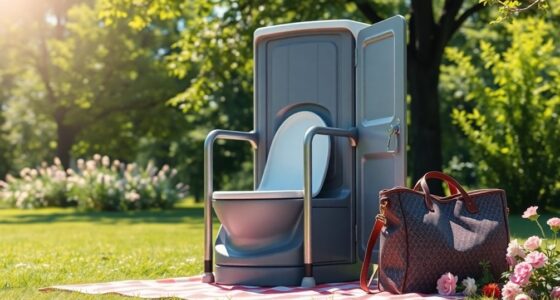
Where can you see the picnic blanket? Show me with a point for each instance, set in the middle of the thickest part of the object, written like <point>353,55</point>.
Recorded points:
<point>193,288</point>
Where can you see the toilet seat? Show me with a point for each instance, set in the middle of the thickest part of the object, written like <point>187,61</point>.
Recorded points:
<point>283,172</point>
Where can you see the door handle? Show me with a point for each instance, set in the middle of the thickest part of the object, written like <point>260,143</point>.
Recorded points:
<point>394,131</point>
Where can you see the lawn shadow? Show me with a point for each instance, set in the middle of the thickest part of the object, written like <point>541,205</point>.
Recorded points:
<point>189,215</point>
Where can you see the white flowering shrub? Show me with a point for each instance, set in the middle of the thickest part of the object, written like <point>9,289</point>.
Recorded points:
<point>44,186</point>
<point>96,184</point>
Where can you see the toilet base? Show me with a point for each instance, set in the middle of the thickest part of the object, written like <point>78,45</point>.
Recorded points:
<point>285,276</point>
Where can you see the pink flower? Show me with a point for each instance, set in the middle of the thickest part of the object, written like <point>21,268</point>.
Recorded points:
<point>521,273</point>
<point>514,250</point>
<point>522,297</point>
<point>510,290</point>
<point>531,213</point>
<point>536,259</point>
<point>555,293</point>
<point>447,284</point>
<point>511,261</point>
<point>554,224</point>
<point>532,243</point>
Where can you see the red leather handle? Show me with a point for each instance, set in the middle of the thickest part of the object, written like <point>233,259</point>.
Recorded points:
<point>366,264</point>
<point>452,188</point>
<point>422,183</point>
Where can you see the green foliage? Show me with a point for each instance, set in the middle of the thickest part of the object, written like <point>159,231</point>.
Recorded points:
<point>508,9</point>
<point>159,9</point>
<point>486,273</point>
<point>93,76</point>
<point>28,133</point>
<point>510,112</point>
<point>96,184</point>
<point>79,86</point>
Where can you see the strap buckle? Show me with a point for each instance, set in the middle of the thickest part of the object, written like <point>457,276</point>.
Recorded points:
<point>383,203</point>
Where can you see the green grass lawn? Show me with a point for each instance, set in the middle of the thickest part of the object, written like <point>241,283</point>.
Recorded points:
<point>39,248</point>
<point>45,247</point>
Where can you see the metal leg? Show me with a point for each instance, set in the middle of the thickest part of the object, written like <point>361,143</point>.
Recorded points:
<point>308,280</point>
<point>251,137</point>
<point>208,276</point>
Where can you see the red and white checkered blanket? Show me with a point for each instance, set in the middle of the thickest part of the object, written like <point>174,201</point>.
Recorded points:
<point>193,288</point>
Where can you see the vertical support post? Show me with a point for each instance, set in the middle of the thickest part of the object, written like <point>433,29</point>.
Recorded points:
<point>251,137</point>
<point>208,276</point>
<point>308,280</point>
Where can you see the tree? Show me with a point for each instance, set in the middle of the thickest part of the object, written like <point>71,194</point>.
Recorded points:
<point>509,107</point>
<point>91,81</point>
<point>6,84</point>
<point>427,41</point>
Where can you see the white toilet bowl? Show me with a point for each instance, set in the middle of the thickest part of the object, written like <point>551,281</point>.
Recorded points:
<point>268,218</point>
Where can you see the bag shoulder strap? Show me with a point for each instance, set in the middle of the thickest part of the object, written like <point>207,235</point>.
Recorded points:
<point>380,221</point>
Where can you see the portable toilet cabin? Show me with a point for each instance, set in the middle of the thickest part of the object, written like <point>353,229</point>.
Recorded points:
<point>351,77</point>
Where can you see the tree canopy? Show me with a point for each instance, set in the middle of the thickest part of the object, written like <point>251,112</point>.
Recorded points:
<point>82,86</point>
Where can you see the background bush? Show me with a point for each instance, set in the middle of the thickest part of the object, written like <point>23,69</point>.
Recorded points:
<point>95,184</point>
<point>509,113</point>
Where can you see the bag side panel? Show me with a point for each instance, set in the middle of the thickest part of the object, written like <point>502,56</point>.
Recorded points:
<point>393,256</point>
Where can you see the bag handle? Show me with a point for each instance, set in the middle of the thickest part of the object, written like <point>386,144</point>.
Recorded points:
<point>380,221</point>
<point>452,188</point>
<point>451,182</point>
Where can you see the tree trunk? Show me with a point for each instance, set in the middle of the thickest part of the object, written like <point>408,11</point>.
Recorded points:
<point>65,138</point>
<point>425,128</point>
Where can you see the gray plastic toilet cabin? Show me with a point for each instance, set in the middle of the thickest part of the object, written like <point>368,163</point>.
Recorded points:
<point>352,75</point>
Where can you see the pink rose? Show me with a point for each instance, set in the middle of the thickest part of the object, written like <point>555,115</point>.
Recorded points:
<point>555,293</point>
<point>521,273</point>
<point>532,243</point>
<point>554,224</point>
<point>447,284</point>
<point>531,213</point>
<point>536,259</point>
<point>514,250</point>
<point>510,290</point>
<point>522,297</point>
<point>511,261</point>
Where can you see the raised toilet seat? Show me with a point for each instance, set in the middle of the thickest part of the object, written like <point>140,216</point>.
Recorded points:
<point>266,219</point>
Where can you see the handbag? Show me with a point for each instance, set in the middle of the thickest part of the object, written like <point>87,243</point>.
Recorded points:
<point>424,236</point>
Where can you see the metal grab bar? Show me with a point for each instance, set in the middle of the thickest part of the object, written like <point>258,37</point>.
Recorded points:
<point>250,137</point>
<point>352,135</point>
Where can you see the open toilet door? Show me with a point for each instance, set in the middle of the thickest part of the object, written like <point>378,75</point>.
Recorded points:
<point>380,118</point>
